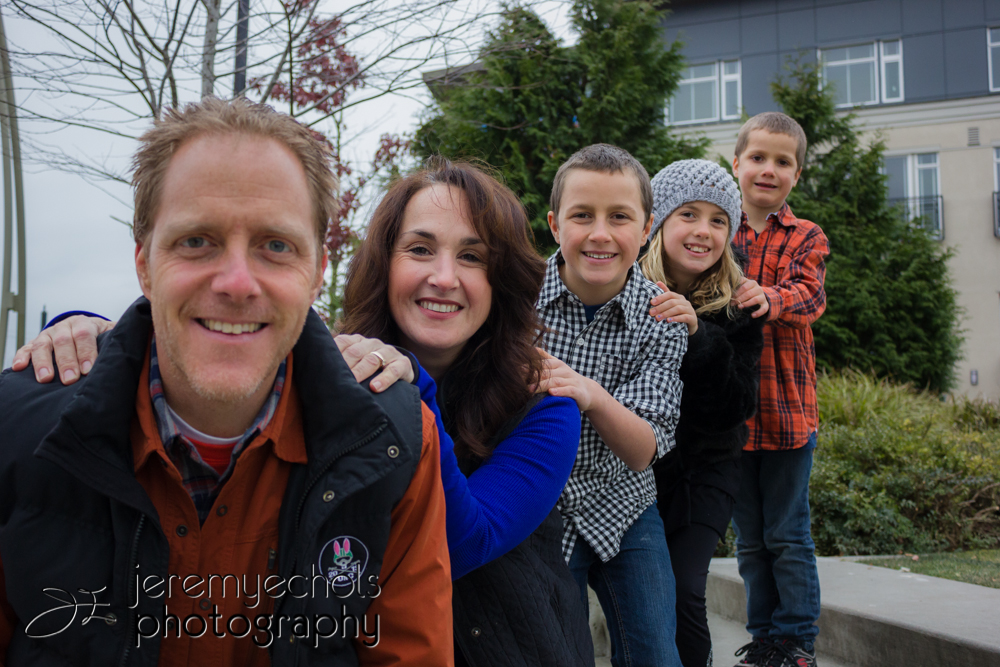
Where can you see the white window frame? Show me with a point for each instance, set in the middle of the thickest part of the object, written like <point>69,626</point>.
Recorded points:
<point>719,79</point>
<point>723,80</point>
<point>879,60</point>
<point>990,45</point>
<point>996,191</point>
<point>996,169</point>
<point>884,59</point>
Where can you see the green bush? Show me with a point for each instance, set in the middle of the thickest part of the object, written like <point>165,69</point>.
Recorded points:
<point>901,470</point>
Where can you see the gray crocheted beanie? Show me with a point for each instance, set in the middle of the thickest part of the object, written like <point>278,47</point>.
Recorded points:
<point>695,180</point>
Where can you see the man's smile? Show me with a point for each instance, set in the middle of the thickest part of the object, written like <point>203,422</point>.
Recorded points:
<point>236,328</point>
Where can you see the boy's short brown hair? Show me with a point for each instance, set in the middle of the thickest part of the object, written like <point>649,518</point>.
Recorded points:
<point>606,159</point>
<point>776,123</point>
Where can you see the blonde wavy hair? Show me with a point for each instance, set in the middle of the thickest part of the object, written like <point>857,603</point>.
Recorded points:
<point>711,292</point>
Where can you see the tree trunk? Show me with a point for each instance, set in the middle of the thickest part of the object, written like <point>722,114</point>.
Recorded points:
<point>213,9</point>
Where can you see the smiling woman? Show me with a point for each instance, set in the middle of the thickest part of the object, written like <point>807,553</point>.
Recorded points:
<point>448,271</point>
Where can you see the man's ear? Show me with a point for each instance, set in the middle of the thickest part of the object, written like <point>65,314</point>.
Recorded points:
<point>142,269</point>
<point>553,226</point>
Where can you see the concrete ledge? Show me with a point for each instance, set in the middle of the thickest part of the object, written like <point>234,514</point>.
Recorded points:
<point>877,616</point>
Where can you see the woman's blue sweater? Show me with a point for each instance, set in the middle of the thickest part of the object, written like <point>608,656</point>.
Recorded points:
<point>499,505</point>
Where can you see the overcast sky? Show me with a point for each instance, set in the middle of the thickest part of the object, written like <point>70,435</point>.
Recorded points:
<point>80,258</point>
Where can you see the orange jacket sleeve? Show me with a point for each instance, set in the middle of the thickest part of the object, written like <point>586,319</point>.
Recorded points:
<point>414,607</point>
<point>8,621</point>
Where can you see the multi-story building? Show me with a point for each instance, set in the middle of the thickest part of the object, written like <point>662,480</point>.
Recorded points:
<point>924,73</point>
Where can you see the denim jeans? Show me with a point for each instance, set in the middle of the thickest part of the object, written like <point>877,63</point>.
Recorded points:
<point>774,548</point>
<point>636,590</point>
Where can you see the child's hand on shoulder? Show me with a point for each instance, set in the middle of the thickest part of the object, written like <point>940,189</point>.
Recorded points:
<point>673,307</point>
<point>750,294</point>
<point>558,379</point>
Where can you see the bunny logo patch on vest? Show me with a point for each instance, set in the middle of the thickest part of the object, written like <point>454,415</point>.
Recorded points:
<point>343,560</point>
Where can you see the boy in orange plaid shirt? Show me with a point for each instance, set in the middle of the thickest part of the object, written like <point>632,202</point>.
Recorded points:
<point>786,254</point>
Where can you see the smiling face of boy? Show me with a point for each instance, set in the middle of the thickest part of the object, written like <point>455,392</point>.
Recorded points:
<point>600,227</point>
<point>767,171</point>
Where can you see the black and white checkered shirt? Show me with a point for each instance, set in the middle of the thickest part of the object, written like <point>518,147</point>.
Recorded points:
<point>636,359</point>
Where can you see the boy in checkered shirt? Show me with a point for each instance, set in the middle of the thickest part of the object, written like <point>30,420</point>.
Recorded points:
<point>621,366</point>
<point>786,257</point>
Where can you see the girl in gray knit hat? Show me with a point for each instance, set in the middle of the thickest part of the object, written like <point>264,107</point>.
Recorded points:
<point>696,211</point>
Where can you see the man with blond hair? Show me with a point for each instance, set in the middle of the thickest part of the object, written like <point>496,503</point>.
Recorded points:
<point>220,490</point>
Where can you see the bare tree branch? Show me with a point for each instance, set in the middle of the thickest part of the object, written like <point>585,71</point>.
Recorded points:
<point>112,65</point>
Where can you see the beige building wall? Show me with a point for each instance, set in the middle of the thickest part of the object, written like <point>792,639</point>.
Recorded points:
<point>966,182</point>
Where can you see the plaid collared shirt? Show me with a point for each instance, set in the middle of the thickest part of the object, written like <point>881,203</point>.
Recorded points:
<point>787,260</point>
<point>636,359</point>
<point>201,480</point>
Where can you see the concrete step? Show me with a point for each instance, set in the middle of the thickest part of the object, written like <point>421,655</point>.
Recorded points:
<point>727,636</point>
<point>877,616</point>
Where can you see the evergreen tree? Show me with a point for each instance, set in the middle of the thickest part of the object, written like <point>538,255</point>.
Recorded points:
<point>536,102</point>
<point>891,307</point>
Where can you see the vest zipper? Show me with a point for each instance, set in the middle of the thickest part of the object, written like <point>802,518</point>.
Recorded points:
<point>133,554</point>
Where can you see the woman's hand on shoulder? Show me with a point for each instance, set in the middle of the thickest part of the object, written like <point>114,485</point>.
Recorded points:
<point>72,341</point>
<point>673,307</point>
<point>364,356</point>
<point>750,294</point>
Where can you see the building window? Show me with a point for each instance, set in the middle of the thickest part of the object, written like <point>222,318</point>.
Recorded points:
<point>996,169</point>
<point>993,46</point>
<point>732,103</point>
<point>892,70</point>
<point>864,74</point>
<point>707,93</point>
<point>996,192</point>
<point>914,186</point>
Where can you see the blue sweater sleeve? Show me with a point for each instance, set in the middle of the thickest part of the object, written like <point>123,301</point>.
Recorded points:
<point>70,313</point>
<point>507,498</point>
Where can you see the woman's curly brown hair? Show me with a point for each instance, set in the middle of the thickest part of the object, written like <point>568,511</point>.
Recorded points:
<point>491,379</point>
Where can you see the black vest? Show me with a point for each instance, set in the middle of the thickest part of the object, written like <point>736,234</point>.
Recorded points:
<point>524,608</point>
<point>72,514</point>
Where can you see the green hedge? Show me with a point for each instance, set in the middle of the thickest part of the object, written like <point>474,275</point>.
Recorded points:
<point>900,470</point>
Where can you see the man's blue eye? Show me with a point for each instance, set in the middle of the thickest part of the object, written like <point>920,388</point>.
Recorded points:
<point>194,242</point>
<point>277,246</point>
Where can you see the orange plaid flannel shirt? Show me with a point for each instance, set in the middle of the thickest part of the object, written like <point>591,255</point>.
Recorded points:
<point>787,260</point>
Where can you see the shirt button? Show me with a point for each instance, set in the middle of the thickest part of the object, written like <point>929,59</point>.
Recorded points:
<point>328,496</point>
<point>182,530</point>
<point>221,511</point>
<point>581,341</point>
<point>205,604</point>
<point>476,632</point>
<point>393,451</point>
